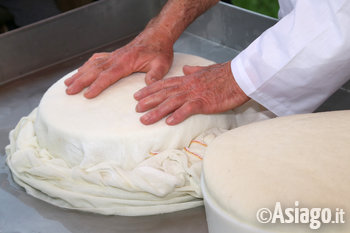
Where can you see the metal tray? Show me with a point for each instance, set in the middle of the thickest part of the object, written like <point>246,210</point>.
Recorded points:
<point>34,57</point>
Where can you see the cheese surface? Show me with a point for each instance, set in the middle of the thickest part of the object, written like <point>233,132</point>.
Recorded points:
<point>95,155</point>
<point>107,128</point>
<point>301,158</point>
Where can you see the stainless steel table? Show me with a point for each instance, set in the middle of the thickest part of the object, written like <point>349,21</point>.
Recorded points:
<point>34,57</point>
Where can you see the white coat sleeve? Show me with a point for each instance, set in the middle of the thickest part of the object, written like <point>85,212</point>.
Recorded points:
<point>294,66</point>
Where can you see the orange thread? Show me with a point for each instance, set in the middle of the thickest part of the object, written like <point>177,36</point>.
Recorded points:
<point>201,143</point>
<point>192,153</point>
<point>153,153</point>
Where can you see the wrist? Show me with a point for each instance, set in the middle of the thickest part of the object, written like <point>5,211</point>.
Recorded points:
<point>156,37</point>
<point>160,32</point>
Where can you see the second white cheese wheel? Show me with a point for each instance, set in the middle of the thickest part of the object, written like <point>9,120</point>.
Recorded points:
<point>304,158</point>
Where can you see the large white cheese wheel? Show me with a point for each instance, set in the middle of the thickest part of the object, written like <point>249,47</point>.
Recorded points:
<point>95,155</point>
<point>304,158</point>
<point>88,131</point>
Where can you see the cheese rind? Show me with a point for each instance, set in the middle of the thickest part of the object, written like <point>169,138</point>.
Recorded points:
<point>106,128</point>
<point>304,158</point>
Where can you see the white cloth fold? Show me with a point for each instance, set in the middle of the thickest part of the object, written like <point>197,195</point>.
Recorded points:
<point>165,181</point>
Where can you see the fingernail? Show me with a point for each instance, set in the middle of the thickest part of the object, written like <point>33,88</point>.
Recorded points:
<point>87,93</point>
<point>69,90</point>
<point>137,108</point>
<point>170,120</point>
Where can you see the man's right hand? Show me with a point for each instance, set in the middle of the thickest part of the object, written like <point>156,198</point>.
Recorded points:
<point>150,52</point>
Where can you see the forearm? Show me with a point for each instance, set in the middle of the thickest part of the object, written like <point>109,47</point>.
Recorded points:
<point>175,16</point>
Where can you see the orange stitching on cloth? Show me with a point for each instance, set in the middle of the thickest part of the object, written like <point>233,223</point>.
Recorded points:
<point>192,153</point>
<point>153,153</point>
<point>201,143</point>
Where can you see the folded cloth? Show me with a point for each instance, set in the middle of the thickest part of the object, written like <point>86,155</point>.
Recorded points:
<point>165,181</point>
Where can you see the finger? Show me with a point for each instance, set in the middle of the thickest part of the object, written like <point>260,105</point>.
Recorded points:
<point>106,79</point>
<point>163,109</point>
<point>70,80</point>
<point>155,99</point>
<point>157,72</point>
<point>99,60</point>
<point>81,82</point>
<point>99,55</point>
<point>188,109</point>
<point>157,86</point>
<point>191,69</point>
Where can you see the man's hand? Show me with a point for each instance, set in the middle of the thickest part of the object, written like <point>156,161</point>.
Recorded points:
<point>150,52</point>
<point>145,53</point>
<point>206,90</point>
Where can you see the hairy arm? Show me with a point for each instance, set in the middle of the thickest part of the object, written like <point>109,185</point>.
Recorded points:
<point>176,15</point>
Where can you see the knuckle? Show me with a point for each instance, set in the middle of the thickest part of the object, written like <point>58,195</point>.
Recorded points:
<point>94,56</point>
<point>137,49</point>
<point>161,65</point>
<point>155,87</point>
<point>82,82</point>
<point>188,108</point>
<point>144,104</point>
<point>160,111</point>
<point>106,78</point>
<point>194,106</point>
<point>71,79</point>
<point>160,84</point>
<point>162,94</point>
<point>80,70</point>
<point>169,104</point>
<point>99,54</point>
<point>200,103</point>
<point>98,84</point>
<point>167,92</point>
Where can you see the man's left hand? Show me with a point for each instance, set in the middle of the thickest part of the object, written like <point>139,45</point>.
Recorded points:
<point>205,90</point>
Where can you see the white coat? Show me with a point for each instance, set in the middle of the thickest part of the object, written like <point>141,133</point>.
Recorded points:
<point>294,66</point>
